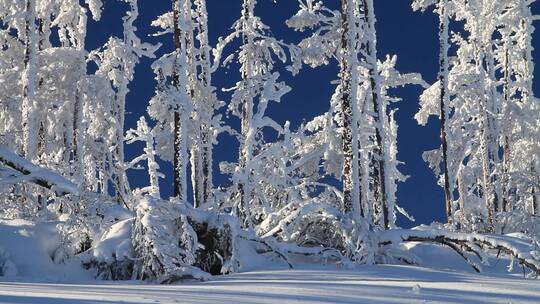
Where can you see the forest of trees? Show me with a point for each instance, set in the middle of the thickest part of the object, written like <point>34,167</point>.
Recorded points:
<point>59,115</point>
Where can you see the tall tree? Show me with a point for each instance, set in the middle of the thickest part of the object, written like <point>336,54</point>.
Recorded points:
<point>116,61</point>
<point>258,86</point>
<point>204,108</point>
<point>350,41</point>
<point>29,105</point>
<point>380,151</point>
<point>442,8</point>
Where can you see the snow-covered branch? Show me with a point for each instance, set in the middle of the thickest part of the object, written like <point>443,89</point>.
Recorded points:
<point>37,175</point>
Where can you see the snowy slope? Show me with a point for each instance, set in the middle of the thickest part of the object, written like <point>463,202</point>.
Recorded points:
<point>39,280</point>
<point>369,284</point>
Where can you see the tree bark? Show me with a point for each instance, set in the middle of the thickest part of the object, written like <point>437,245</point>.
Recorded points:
<point>379,151</point>
<point>247,113</point>
<point>487,142</point>
<point>444,100</point>
<point>179,162</point>
<point>29,119</point>
<point>206,79</point>
<point>349,110</point>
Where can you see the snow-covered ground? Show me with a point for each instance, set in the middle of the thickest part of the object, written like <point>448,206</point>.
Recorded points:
<point>34,278</point>
<point>370,284</point>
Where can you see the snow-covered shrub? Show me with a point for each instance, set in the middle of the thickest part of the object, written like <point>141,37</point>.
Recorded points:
<point>111,256</point>
<point>519,222</point>
<point>85,221</point>
<point>217,236</point>
<point>320,225</point>
<point>14,205</point>
<point>164,243</point>
<point>473,220</point>
<point>173,241</point>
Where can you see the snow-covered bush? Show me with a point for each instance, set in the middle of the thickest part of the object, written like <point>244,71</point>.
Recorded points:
<point>111,256</point>
<point>164,243</point>
<point>85,221</point>
<point>318,225</point>
<point>173,241</point>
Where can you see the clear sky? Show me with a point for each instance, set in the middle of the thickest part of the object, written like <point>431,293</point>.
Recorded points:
<point>410,35</point>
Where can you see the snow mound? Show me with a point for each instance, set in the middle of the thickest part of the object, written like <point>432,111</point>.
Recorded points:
<point>27,253</point>
<point>7,267</point>
<point>115,244</point>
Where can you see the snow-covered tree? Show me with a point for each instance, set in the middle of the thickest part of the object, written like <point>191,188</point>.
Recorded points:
<point>66,126</point>
<point>361,105</point>
<point>47,110</point>
<point>116,61</point>
<point>258,86</point>
<point>144,134</point>
<point>518,124</point>
<point>442,84</point>
<point>184,84</point>
<point>482,92</point>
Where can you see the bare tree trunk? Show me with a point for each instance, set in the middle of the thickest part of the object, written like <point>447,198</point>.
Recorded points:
<point>534,201</point>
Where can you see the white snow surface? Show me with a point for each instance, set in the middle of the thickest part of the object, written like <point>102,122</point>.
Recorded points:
<point>30,248</point>
<point>367,284</point>
<point>447,280</point>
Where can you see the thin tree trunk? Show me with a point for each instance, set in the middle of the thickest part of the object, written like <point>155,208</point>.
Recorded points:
<point>444,100</point>
<point>120,173</point>
<point>506,147</point>
<point>78,167</point>
<point>78,149</point>
<point>206,79</point>
<point>179,161</point>
<point>247,113</point>
<point>349,110</point>
<point>534,190</point>
<point>486,142</point>
<point>534,201</point>
<point>196,139</point>
<point>29,106</point>
<point>379,151</point>
<point>462,194</point>
<point>493,133</point>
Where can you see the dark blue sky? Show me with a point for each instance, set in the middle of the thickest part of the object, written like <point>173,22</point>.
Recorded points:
<point>410,35</point>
